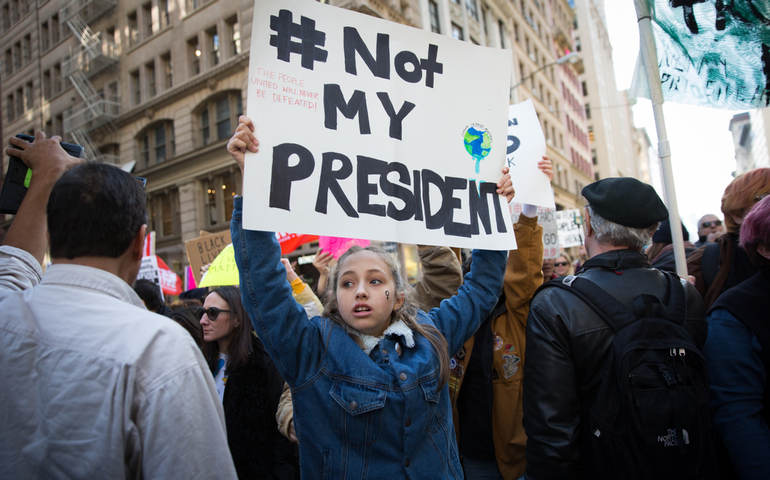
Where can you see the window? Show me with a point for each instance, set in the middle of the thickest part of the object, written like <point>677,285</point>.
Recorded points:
<point>594,157</point>
<point>165,14</point>
<point>234,35</point>
<point>55,32</point>
<point>6,16</point>
<point>8,62</point>
<point>194,54</point>
<point>516,32</point>
<point>47,84</point>
<point>44,36</point>
<point>15,10</point>
<point>591,134</point>
<point>585,89</point>
<point>57,86</point>
<point>213,44</point>
<point>588,111</point>
<point>109,34</point>
<point>522,72</point>
<point>147,19</point>
<point>17,56</point>
<point>136,88</point>
<point>526,43</point>
<point>473,10</point>
<point>457,32</point>
<point>19,102</point>
<point>164,213</point>
<point>168,70</point>
<point>501,27</point>
<point>157,143</point>
<point>9,108</point>
<point>218,116</point>
<point>193,5</point>
<point>577,43</point>
<point>58,124</point>
<point>220,193</point>
<point>133,30</point>
<point>435,26</point>
<point>29,100</point>
<point>149,73</point>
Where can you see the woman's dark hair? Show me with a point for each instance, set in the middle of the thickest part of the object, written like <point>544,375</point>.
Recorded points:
<point>95,210</point>
<point>240,346</point>
<point>187,319</point>
<point>149,292</point>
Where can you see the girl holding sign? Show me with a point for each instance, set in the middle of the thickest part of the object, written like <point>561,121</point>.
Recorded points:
<point>369,378</point>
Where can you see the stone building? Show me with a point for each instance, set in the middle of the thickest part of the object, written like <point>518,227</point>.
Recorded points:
<point>156,87</point>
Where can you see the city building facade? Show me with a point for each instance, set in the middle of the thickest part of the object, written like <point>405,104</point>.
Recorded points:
<point>751,131</point>
<point>156,87</point>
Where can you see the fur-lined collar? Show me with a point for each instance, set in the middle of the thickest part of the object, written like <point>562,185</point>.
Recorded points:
<point>396,328</point>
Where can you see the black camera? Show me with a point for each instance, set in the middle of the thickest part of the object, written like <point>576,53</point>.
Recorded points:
<point>19,175</point>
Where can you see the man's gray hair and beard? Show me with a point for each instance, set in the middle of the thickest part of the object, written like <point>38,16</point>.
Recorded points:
<point>618,235</point>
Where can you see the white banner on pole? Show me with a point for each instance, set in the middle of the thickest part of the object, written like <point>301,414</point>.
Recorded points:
<point>372,129</point>
<point>526,146</point>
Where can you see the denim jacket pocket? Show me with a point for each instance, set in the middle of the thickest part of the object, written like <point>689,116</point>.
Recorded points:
<point>432,396</point>
<point>358,413</point>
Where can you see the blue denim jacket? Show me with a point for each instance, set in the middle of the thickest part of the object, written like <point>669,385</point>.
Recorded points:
<point>359,416</point>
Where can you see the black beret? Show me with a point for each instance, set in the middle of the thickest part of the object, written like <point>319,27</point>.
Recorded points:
<point>663,235</point>
<point>626,201</point>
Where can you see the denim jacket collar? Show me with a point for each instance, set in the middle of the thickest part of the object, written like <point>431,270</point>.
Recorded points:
<point>398,328</point>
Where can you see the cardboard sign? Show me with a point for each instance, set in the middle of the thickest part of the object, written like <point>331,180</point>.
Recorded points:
<point>547,219</point>
<point>526,146</point>
<point>570,224</point>
<point>367,125</point>
<point>204,249</point>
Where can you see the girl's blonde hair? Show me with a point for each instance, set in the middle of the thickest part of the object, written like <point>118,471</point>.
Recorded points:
<point>407,312</point>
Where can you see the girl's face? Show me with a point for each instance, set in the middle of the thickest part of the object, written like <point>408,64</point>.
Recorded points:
<point>366,293</point>
<point>219,328</point>
<point>561,266</point>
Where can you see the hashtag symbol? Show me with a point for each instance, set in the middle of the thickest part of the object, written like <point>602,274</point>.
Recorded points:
<point>310,39</point>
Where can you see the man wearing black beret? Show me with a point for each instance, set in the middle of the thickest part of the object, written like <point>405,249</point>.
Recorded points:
<point>568,342</point>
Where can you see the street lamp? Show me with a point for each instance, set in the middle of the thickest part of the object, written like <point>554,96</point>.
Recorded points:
<point>571,57</point>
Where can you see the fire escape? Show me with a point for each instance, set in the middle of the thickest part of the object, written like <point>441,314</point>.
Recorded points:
<point>92,55</point>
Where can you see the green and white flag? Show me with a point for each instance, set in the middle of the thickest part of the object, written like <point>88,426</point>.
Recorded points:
<point>711,53</point>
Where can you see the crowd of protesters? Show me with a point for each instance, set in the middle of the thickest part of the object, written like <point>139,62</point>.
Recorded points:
<point>494,374</point>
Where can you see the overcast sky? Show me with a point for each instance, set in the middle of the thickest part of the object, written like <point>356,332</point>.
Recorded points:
<point>702,152</point>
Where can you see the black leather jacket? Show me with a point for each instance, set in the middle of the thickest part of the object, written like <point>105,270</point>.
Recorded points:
<point>567,346</point>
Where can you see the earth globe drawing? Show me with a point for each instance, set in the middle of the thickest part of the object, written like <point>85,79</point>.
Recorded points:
<point>478,143</point>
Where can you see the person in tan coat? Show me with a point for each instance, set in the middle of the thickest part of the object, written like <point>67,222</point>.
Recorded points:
<point>485,385</point>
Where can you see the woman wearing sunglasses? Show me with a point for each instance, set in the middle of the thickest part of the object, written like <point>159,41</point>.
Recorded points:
<point>249,387</point>
<point>563,265</point>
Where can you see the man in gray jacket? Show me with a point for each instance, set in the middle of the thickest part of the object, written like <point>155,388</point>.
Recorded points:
<point>93,384</point>
<point>568,343</point>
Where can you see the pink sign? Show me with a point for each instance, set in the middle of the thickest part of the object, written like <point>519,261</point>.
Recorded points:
<point>339,245</point>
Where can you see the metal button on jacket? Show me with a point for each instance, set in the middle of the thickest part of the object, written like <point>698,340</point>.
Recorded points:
<point>402,376</point>
<point>353,405</point>
<point>408,422</point>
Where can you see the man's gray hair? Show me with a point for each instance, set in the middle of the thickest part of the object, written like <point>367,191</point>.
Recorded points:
<point>618,235</point>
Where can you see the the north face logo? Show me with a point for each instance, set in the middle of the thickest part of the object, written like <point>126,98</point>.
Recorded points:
<point>670,439</point>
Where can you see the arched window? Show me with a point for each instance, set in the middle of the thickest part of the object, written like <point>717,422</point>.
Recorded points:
<point>217,116</point>
<point>156,143</point>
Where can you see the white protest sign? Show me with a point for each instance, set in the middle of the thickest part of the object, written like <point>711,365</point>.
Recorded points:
<point>526,147</point>
<point>570,227</point>
<point>149,270</point>
<point>547,219</point>
<point>372,129</point>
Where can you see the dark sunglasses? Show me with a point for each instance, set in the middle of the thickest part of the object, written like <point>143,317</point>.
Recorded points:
<point>708,224</point>
<point>212,312</point>
<point>560,264</point>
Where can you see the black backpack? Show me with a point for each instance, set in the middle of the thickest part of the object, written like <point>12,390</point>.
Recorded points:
<point>650,418</point>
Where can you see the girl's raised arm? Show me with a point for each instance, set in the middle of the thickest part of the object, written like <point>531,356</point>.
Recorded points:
<point>294,343</point>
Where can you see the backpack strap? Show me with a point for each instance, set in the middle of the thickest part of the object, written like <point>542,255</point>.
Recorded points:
<point>617,315</point>
<point>709,264</point>
<point>614,313</point>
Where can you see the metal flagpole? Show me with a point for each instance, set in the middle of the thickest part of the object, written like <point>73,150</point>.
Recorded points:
<point>650,61</point>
